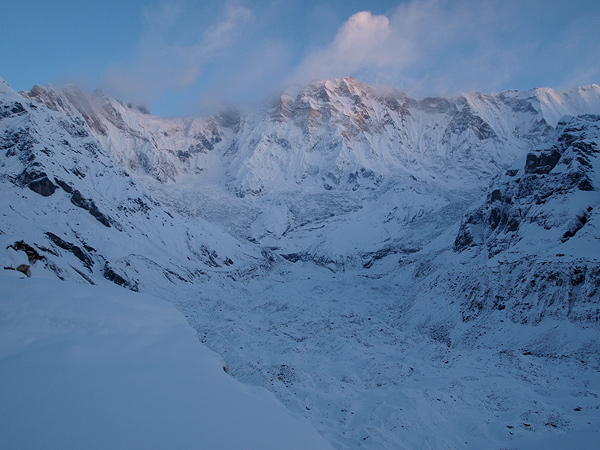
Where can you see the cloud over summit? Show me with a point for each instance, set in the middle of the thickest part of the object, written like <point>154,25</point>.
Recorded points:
<point>360,44</point>
<point>440,46</point>
<point>245,49</point>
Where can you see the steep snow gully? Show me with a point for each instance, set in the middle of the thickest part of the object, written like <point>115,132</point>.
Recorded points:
<point>399,273</point>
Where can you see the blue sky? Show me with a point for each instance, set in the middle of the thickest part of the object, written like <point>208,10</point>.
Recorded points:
<point>180,57</point>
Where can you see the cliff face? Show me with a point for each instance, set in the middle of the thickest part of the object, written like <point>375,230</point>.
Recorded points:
<point>540,221</point>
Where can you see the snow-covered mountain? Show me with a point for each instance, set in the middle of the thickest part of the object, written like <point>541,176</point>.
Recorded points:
<point>332,134</point>
<point>87,212</point>
<point>334,148</point>
<point>404,273</point>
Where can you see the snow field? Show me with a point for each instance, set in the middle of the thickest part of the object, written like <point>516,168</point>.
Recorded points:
<point>101,367</point>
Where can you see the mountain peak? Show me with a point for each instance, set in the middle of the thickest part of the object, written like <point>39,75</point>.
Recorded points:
<point>6,89</point>
<point>343,87</point>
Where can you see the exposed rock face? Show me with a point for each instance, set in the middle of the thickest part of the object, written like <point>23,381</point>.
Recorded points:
<point>79,200</point>
<point>24,269</point>
<point>83,256</point>
<point>111,275</point>
<point>32,254</point>
<point>551,198</point>
<point>37,181</point>
<point>21,250</point>
<point>71,101</point>
<point>551,175</point>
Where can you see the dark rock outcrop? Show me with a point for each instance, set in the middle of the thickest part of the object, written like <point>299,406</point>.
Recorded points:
<point>80,201</point>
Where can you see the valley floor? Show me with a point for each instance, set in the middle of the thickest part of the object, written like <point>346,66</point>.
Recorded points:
<point>350,353</point>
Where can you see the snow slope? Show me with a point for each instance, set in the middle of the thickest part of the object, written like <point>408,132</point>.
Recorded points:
<point>99,367</point>
<point>379,363</point>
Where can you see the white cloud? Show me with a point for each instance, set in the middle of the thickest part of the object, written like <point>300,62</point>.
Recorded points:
<point>426,47</point>
<point>442,46</point>
<point>362,42</point>
<point>172,53</point>
<point>418,37</point>
<point>252,79</point>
